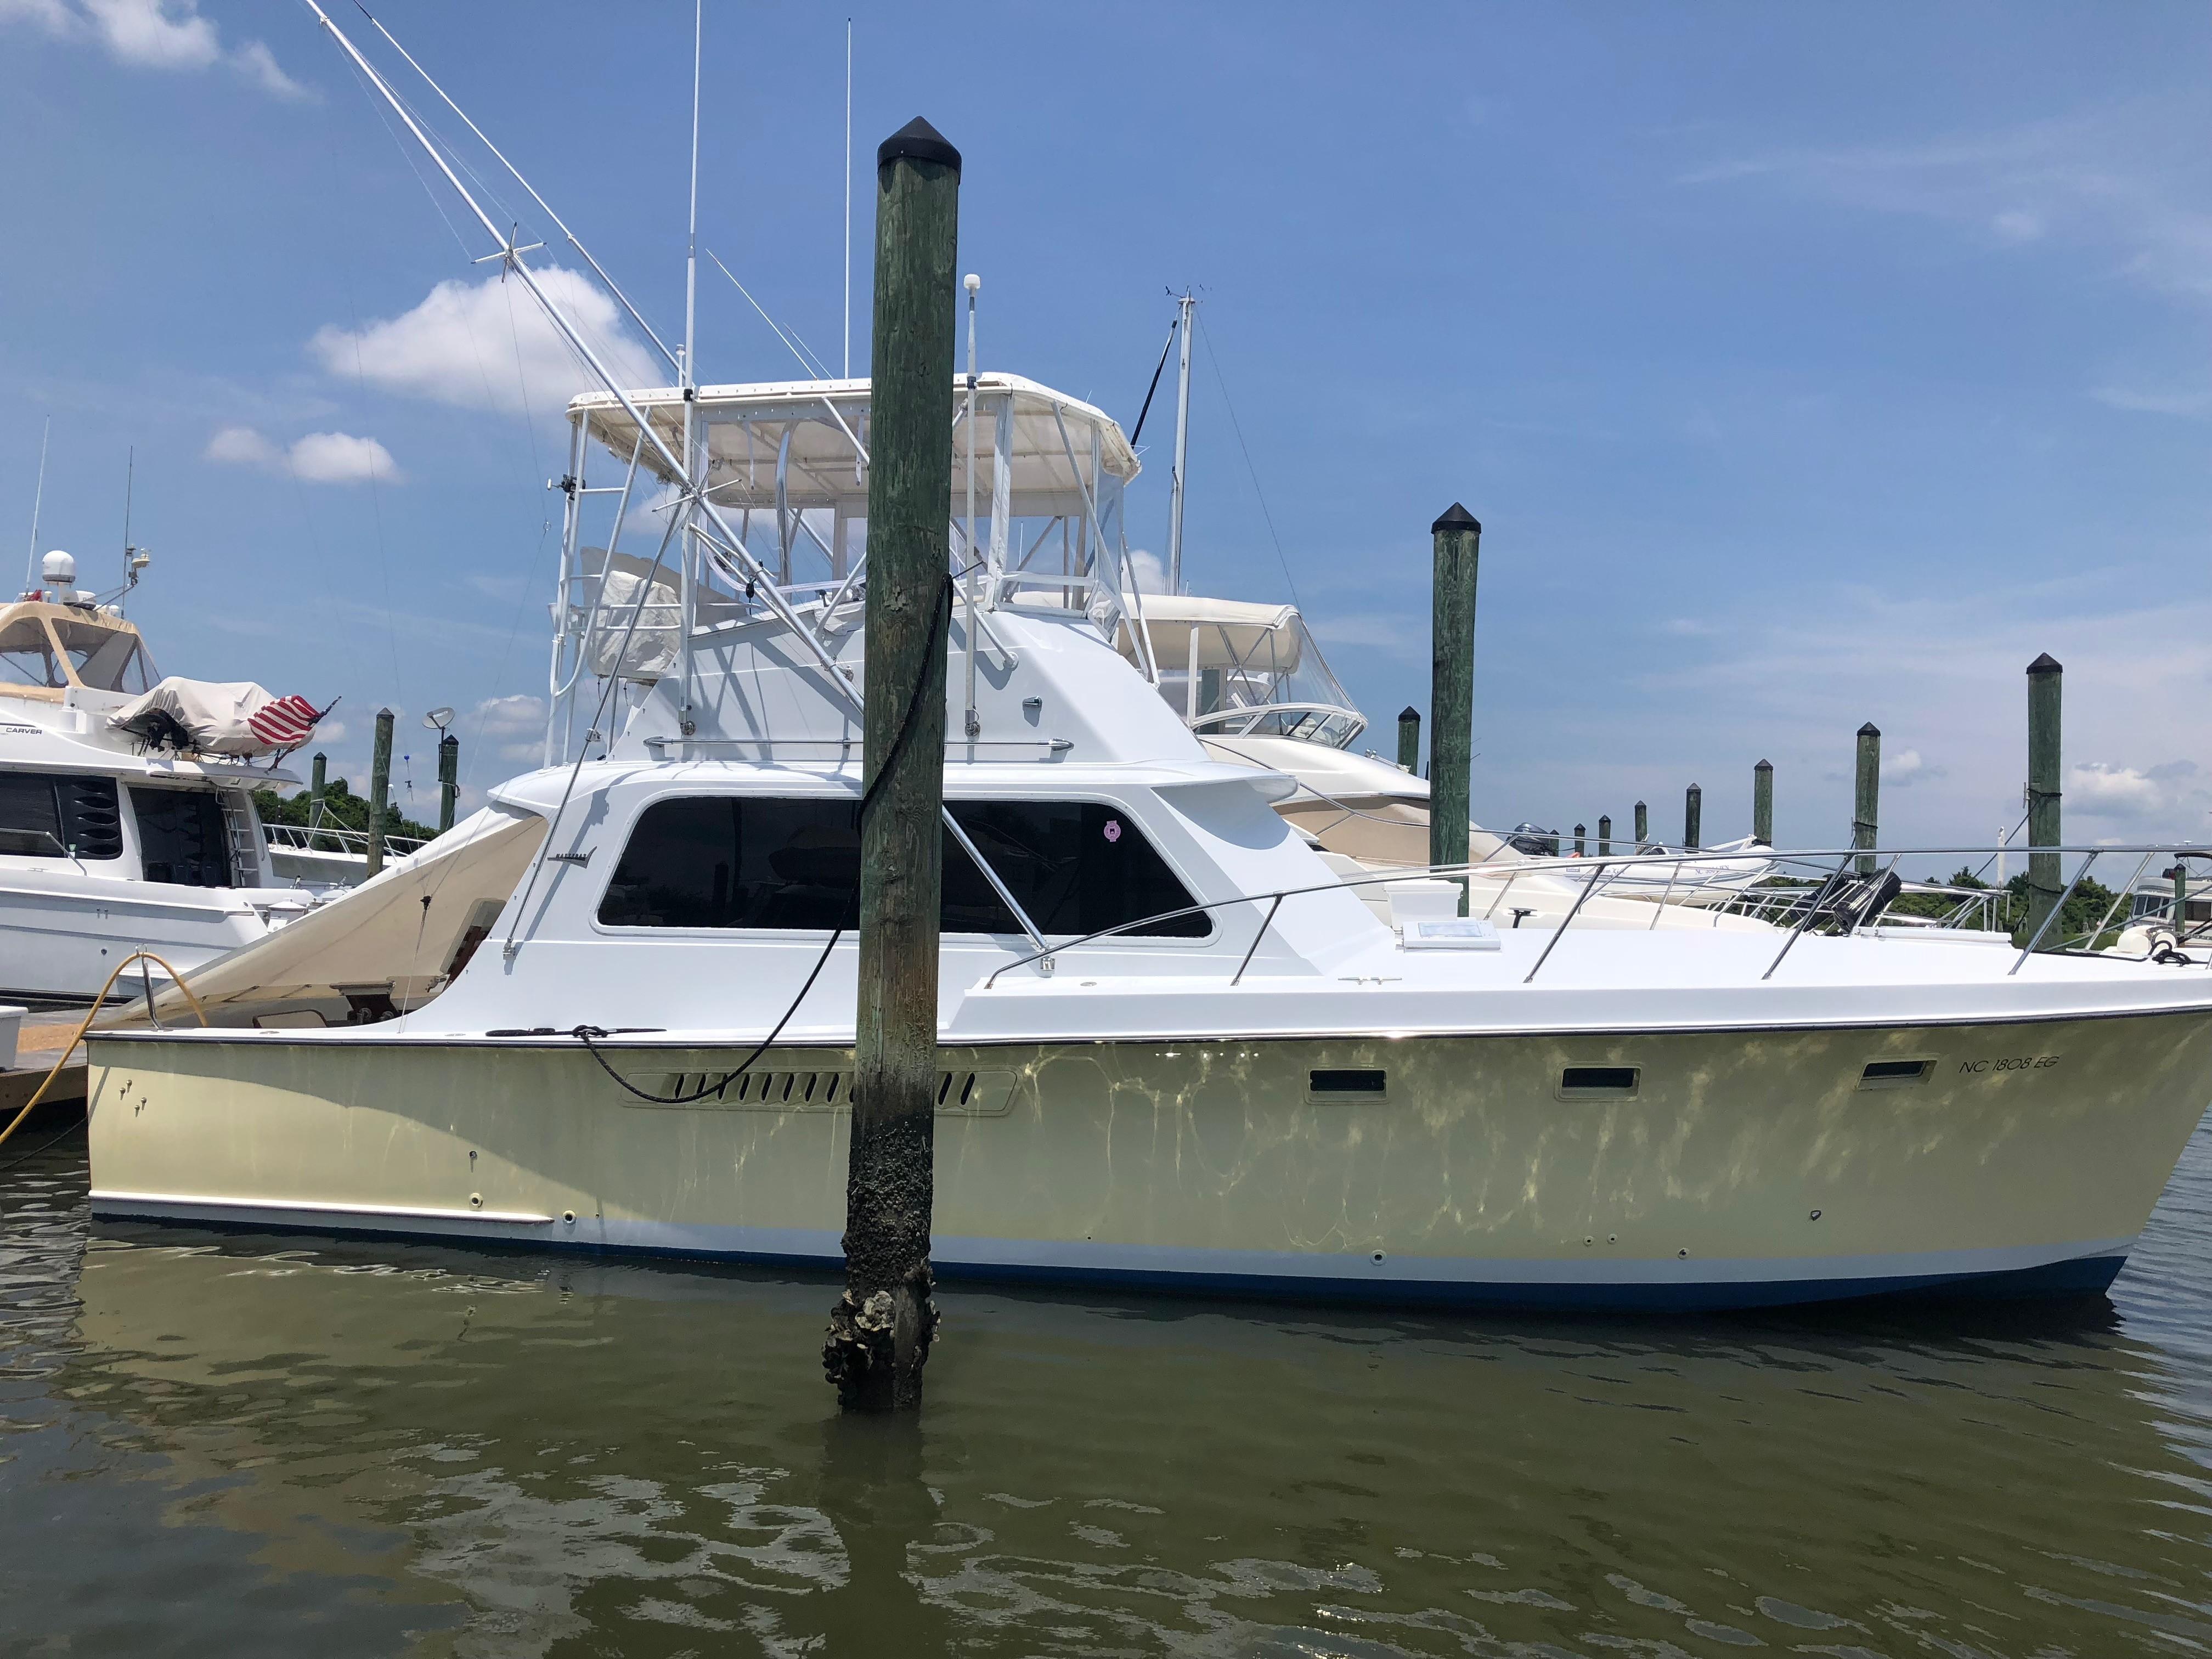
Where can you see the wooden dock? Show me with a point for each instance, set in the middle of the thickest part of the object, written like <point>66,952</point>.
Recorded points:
<point>36,1050</point>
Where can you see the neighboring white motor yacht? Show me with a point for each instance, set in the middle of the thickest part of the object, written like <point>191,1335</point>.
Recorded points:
<point>1251,683</point>
<point>112,840</point>
<point>1176,1049</point>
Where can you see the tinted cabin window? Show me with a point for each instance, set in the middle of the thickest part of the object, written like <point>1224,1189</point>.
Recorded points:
<point>44,813</point>
<point>180,835</point>
<point>733,861</point>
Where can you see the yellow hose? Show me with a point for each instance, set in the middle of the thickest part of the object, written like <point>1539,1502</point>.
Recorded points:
<point>176,978</point>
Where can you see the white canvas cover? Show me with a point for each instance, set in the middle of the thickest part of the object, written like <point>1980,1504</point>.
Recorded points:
<point>653,647</point>
<point>237,718</point>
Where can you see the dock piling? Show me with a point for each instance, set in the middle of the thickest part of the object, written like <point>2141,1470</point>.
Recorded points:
<point>1694,815</point>
<point>2044,684</point>
<point>1457,537</point>
<point>1866,796</point>
<point>1580,850</point>
<point>1643,826</point>
<point>1604,836</point>
<point>881,1326</point>
<point>1762,803</point>
<point>449,779</point>
<point>317,787</point>
<point>1409,740</point>
<point>379,789</point>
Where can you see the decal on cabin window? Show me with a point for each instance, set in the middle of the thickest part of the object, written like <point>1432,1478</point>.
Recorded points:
<point>748,861</point>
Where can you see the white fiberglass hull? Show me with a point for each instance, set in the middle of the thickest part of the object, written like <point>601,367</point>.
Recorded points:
<point>61,934</point>
<point>1746,1169</point>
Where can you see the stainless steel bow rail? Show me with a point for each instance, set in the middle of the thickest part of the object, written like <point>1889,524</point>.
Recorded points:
<point>1844,902</point>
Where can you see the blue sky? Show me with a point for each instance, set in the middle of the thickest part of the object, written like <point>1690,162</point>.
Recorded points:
<point>1806,365</point>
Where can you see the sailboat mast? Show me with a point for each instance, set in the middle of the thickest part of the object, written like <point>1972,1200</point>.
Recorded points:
<point>1187,304</point>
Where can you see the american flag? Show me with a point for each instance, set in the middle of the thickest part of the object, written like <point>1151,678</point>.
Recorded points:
<point>285,723</point>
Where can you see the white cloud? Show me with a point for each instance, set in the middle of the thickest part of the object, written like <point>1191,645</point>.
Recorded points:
<point>2189,404</point>
<point>154,34</point>
<point>341,458</point>
<point>1145,569</point>
<point>514,726</point>
<point>318,458</point>
<point>2104,790</point>
<point>488,345</point>
<point>241,445</point>
<point>1905,766</point>
<point>1388,633</point>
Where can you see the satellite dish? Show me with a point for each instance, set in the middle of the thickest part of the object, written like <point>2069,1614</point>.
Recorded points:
<point>438,718</point>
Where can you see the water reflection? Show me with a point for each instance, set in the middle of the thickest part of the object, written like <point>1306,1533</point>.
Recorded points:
<point>236,1444</point>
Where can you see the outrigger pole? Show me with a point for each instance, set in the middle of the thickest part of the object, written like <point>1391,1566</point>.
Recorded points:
<point>695,499</point>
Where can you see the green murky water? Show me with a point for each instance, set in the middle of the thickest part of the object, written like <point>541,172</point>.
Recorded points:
<point>231,1444</point>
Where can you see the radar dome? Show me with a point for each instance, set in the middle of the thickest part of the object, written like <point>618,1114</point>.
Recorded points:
<point>59,569</point>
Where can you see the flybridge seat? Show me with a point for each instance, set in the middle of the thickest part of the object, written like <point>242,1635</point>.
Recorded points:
<point>239,719</point>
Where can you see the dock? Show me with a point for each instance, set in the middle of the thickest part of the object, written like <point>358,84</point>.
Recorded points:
<point>36,1050</point>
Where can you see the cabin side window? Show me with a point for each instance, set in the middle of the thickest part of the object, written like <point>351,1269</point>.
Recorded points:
<point>181,836</point>
<point>743,861</point>
<point>45,813</point>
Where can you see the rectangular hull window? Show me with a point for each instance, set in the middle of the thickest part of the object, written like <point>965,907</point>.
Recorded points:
<point>1895,1073</point>
<point>1600,1082</point>
<point>1347,1083</point>
<point>736,861</point>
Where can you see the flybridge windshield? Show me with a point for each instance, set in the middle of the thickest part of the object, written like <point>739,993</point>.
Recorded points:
<point>56,652</point>
<point>1232,669</point>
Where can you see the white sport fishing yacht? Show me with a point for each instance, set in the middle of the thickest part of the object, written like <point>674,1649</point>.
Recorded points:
<point>123,827</point>
<point>611,1011</point>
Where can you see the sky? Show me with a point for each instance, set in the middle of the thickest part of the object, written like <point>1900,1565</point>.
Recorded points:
<point>1806,366</point>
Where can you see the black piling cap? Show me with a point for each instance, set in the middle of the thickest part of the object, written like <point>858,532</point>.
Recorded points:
<point>1457,518</point>
<point>1764,766</point>
<point>1869,730</point>
<point>1408,713</point>
<point>2046,664</point>
<point>917,140</point>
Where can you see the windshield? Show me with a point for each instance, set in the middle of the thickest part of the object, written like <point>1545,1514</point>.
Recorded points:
<point>1248,670</point>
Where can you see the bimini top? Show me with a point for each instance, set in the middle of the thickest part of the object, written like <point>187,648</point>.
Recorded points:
<point>47,650</point>
<point>793,443</point>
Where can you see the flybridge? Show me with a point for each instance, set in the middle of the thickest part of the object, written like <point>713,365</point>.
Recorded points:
<point>1035,506</point>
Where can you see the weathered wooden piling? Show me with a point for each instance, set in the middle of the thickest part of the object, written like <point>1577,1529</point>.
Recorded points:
<point>317,786</point>
<point>379,789</point>
<point>2045,889</point>
<point>449,779</point>
<point>1694,815</point>
<point>1643,825</point>
<point>1581,851</point>
<point>1457,538</point>
<point>1409,740</point>
<point>880,1328</point>
<point>1866,794</point>
<point>1604,836</point>
<point>1762,803</point>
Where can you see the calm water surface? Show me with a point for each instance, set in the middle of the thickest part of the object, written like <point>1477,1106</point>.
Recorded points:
<point>230,1444</point>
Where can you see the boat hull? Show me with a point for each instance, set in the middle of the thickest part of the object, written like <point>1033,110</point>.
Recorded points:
<point>1745,1169</point>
